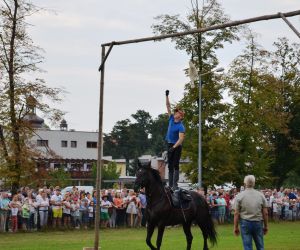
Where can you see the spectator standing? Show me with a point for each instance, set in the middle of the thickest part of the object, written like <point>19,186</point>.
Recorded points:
<point>275,210</point>
<point>231,207</point>
<point>43,207</point>
<point>25,214</point>
<point>143,204</point>
<point>221,208</point>
<point>252,212</point>
<point>286,208</point>
<point>15,207</point>
<point>32,211</point>
<point>227,200</point>
<point>4,211</point>
<point>56,201</point>
<point>84,212</point>
<point>75,214</point>
<point>67,212</point>
<point>105,204</point>
<point>120,210</point>
<point>91,214</point>
<point>214,207</point>
<point>138,217</point>
<point>131,210</point>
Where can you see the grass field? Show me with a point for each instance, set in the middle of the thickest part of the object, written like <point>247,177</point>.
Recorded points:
<point>285,236</point>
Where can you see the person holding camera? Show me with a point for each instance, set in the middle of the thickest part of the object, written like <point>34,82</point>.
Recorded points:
<point>174,138</point>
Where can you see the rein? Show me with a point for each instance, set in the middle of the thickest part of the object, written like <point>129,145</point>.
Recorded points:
<point>156,202</point>
<point>168,196</point>
<point>160,199</point>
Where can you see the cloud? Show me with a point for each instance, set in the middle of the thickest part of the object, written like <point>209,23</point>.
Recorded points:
<point>136,75</point>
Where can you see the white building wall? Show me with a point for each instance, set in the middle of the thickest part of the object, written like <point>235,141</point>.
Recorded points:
<point>55,137</point>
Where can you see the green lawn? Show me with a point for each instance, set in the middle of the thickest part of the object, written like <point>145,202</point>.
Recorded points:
<point>281,236</point>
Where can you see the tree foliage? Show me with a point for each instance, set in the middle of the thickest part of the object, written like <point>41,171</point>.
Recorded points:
<point>20,84</point>
<point>59,177</point>
<point>286,65</point>
<point>130,139</point>
<point>250,116</point>
<point>202,49</point>
<point>109,172</point>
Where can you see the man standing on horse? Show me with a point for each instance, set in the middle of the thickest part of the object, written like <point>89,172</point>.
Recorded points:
<point>174,137</point>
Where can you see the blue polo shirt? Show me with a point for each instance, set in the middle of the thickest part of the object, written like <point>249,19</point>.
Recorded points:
<point>173,130</point>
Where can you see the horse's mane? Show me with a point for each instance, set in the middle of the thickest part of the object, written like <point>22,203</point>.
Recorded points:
<point>147,165</point>
<point>156,175</point>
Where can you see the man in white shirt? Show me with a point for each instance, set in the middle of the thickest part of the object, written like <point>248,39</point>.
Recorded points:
<point>56,202</point>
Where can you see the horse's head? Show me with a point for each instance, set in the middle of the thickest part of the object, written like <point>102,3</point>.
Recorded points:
<point>142,175</point>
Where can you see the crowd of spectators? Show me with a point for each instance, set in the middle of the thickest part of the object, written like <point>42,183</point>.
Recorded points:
<point>283,204</point>
<point>32,210</point>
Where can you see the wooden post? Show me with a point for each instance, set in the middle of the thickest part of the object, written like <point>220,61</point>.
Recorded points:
<point>100,153</point>
<point>289,24</point>
<point>201,30</point>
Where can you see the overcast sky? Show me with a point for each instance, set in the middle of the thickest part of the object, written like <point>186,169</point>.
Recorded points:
<point>136,75</point>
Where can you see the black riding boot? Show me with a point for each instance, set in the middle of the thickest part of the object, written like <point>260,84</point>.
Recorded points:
<point>176,179</point>
<point>171,173</point>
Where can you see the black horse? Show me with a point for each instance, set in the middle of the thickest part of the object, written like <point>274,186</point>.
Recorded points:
<point>161,213</point>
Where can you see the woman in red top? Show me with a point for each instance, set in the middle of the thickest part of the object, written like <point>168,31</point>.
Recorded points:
<point>120,209</point>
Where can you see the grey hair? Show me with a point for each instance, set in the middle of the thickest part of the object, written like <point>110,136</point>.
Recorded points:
<point>249,181</point>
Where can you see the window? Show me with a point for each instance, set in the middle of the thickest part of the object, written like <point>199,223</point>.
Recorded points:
<point>89,167</point>
<point>73,144</point>
<point>42,143</point>
<point>91,144</point>
<point>57,165</point>
<point>64,144</point>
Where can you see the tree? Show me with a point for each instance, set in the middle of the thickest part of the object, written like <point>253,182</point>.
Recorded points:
<point>59,177</point>
<point>158,133</point>
<point>286,63</point>
<point>140,130</point>
<point>129,139</point>
<point>19,60</point>
<point>253,115</point>
<point>109,172</point>
<point>263,122</point>
<point>202,49</point>
<point>120,139</point>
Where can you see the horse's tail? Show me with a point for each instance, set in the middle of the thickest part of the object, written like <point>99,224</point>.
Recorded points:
<point>206,220</point>
<point>210,230</point>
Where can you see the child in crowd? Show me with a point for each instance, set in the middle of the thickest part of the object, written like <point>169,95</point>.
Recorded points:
<point>15,207</point>
<point>75,214</point>
<point>91,214</point>
<point>275,210</point>
<point>84,204</point>
<point>67,212</point>
<point>105,204</point>
<point>25,214</point>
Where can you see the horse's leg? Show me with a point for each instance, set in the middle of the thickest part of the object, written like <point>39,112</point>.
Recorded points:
<point>150,230</point>
<point>205,236</point>
<point>188,235</point>
<point>160,233</point>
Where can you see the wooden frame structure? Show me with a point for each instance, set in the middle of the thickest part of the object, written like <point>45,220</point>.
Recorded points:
<point>104,56</point>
